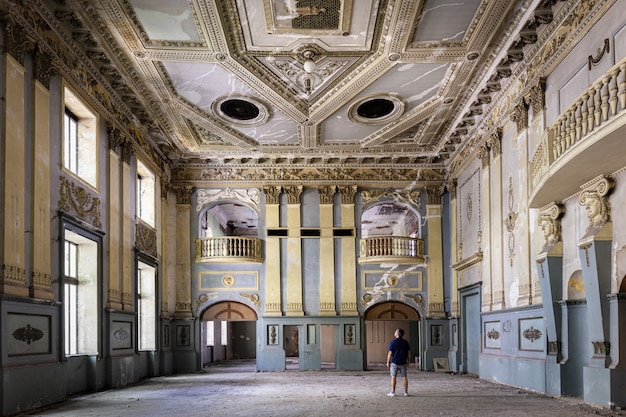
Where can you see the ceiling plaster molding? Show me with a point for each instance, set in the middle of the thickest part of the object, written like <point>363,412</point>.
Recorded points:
<point>211,16</point>
<point>489,65</point>
<point>72,61</point>
<point>556,41</point>
<point>390,131</point>
<point>206,177</point>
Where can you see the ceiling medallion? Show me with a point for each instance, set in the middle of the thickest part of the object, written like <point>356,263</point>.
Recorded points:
<point>240,111</point>
<point>380,108</point>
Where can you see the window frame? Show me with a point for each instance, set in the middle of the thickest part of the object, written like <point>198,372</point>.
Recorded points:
<point>68,224</point>
<point>141,259</point>
<point>87,138</point>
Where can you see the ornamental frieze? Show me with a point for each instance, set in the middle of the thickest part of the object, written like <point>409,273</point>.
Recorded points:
<point>80,202</point>
<point>198,175</point>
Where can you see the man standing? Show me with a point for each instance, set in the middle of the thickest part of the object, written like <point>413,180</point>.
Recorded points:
<point>398,359</point>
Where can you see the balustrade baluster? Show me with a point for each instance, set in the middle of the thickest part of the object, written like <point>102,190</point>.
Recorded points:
<point>613,92</point>
<point>584,113</point>
<point>578,116</point>
<point>622,86</point>
<point>592,109</point>
<point>605,99</point>
<point>597,105</point>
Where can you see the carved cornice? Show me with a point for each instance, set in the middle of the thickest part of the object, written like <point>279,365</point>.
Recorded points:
<point>80,202</point>
<point>594,197</point>
<point>327,194</point>
<point>293,193</point>
<point>272,194</point>
<point>43,69</point>
<point>549,222</point>
<point>434,195</point>
<point>183,195</point>
<point>17,42</point>
<point>519,115</point>
<point>347,194</point>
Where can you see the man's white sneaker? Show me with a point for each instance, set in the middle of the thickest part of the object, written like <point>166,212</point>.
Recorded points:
<point>391,394</point>
<point>406,394</point>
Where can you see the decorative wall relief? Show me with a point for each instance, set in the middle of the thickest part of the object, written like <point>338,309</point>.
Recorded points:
<point>594,197</point>
<point>146,239</point>
<point>531,334</point>
<point>250,196</point>
<point>469,216</point>
<point>80,202</point>
<point>550,223</point>
<point>121,335</point>
<point>28,334</point>
<point>493,335</point>
<point>349,334</point>
<point>183,335</point>
<point>272,335</point>
<point>510,222</point>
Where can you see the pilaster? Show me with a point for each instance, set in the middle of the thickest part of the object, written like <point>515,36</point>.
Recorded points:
<point>13,278</point>
<point>435,255</point>
<point>454,254</point>
<point>327,253</point>
<point>294,252</point>
<point>127,188</point>
<point>114,298</point>
<point>183,253</point>
<point>273,305</point>
<point>348,254</point>
<point>41,279</point>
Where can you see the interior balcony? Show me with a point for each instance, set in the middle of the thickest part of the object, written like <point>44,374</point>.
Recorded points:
<point>228,249</point>
<point>391,249</point>
<point>586,140</point>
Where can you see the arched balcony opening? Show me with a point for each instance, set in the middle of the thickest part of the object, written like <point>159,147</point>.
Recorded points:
<point>228,232</point>
<point>391,232</point>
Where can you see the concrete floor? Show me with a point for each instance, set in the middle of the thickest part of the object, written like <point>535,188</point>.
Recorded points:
<point>236,389</point>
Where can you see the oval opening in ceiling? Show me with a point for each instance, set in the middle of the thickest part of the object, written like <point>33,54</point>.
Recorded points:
<point>239,109</point>
<point>376,108</point>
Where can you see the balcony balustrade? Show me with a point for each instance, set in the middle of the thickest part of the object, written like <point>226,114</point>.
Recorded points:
<point>394,249</point>
<point>589,118</point>
<point>226,249</point>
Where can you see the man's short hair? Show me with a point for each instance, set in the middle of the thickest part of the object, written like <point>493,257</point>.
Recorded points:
<point>400,332</point>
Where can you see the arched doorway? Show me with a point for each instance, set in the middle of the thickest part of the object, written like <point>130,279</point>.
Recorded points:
<point>381,321</point>
<point>228,332</point>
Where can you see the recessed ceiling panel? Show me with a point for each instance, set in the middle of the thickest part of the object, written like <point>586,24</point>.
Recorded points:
<point>445,20</point>
<point>285,24</point>
<point>167,21</point>
<point>412,83</point>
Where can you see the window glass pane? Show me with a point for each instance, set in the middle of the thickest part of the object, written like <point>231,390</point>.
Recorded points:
<point>80,291</point>
<point>146,200</point>
<point>224,333</point>
<point>80,139</point>
<point>146,297</point>
<point>210,333</point>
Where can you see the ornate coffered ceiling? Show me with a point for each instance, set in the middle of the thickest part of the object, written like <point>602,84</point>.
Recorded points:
<point>223,89</point>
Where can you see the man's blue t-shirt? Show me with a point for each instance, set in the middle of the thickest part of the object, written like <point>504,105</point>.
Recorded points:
<point>399,351</point>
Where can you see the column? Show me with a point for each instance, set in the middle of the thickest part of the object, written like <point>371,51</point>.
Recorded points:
<point>348,254</point>
<point>41,279</point>
<point>114,296</point>
<point>273,305</point>
<point>183,253</point>
<point>493,230</point>
<point>294,252</point>
<point>327,253</point>
<point>435,254</point>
